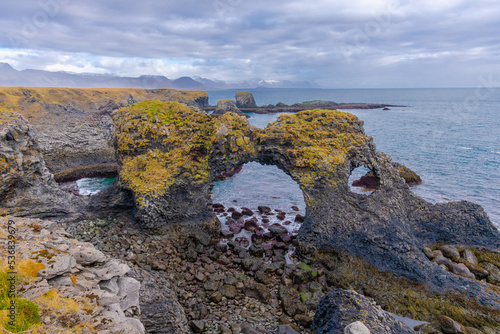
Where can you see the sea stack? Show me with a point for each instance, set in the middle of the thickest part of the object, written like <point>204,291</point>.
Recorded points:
<point>245,100</point>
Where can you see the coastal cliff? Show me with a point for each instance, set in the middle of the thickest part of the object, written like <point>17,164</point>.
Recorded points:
<point>74,126</point>
<point>168,157</point>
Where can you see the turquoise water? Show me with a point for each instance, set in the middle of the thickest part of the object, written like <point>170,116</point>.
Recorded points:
<point>450,137</point>
<point>91,186</point>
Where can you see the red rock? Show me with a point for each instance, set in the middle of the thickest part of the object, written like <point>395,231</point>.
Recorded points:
<point>285,237</point>
<point>231,210</point>
<point>264,209</point>
<point>242,241</point>
<point>276,229</point>
<point>246,211</point>
<point>236,215</point>
<point>250,225</point>
<point>299,218</point>
<point>295,208</point>
<point>235,228</point>
<point>268,235</point>
<point>287,222</point>
<point>258,239</point>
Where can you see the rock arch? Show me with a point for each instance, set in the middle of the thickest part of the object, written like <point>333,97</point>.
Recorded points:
<point>318,149</point>
<point>170,155</point>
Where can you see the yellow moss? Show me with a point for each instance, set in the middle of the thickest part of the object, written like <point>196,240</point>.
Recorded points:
<point>29,268</point>
<point>317,141</point>
<point>485,256</point>
<point>73,279</point>
<point>54,302</point>
<point>31,101</point>
<point>167,142</point>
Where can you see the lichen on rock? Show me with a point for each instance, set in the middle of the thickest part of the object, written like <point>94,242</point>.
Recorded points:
<point>171,154</point>
<point>311,145</point>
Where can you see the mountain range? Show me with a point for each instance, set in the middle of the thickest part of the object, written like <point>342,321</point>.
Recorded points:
<point>40,78</point>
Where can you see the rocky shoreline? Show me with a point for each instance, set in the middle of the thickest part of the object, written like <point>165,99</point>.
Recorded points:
<point>196,274</point>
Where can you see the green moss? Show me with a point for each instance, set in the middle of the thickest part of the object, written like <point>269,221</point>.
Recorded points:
<point>26,311</point>
<point>485,256</point>
<point>304,266</point>
<point>315,141</point>
<point>27,315</point>
<point>305,297</point>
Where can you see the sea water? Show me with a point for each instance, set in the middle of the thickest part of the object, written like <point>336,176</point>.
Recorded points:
<point>450,137</point>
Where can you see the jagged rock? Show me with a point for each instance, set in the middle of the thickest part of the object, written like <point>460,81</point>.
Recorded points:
<point>27,188</point>
<point>161,312</point>
<point>87,254</point>
<point>110,269</point>
<point>339,308</point>
<point>245,100</point>
<point>42,244</point>
<point>128,292</point>
<point>110,285</point>
<point>56,265</point>
<point>179,208</point>
<point>74,125</point>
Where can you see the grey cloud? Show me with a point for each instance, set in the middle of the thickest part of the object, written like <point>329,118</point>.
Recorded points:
<point>330,42</point>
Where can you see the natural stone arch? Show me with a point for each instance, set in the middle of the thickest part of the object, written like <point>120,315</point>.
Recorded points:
<point>171,155</point>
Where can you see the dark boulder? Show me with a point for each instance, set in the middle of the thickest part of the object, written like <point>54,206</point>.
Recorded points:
<point>340,308</point>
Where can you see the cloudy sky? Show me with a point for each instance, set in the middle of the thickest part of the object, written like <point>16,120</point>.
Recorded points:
<point>333,43</point>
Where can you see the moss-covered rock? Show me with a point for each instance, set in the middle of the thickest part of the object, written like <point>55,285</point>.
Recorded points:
<point>225,106</point>
<point>171,154</point>
<point>312,145</point>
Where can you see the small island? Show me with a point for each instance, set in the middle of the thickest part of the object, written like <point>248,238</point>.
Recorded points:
<point>245,103</point>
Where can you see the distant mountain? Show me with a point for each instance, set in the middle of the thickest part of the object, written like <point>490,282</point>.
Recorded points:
<point>39,78</point>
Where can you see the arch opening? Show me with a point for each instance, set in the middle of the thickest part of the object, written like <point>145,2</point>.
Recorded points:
<point>88,186</point>
<point>87,180</point>
<point>260,208</point>
<point>363,181</point>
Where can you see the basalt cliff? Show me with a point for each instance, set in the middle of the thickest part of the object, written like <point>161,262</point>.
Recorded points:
<point>168,156</point>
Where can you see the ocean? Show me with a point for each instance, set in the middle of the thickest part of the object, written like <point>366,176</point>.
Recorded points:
<point>450,137</point>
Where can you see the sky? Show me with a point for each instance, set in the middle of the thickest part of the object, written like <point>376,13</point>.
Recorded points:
<point>334,44</point>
